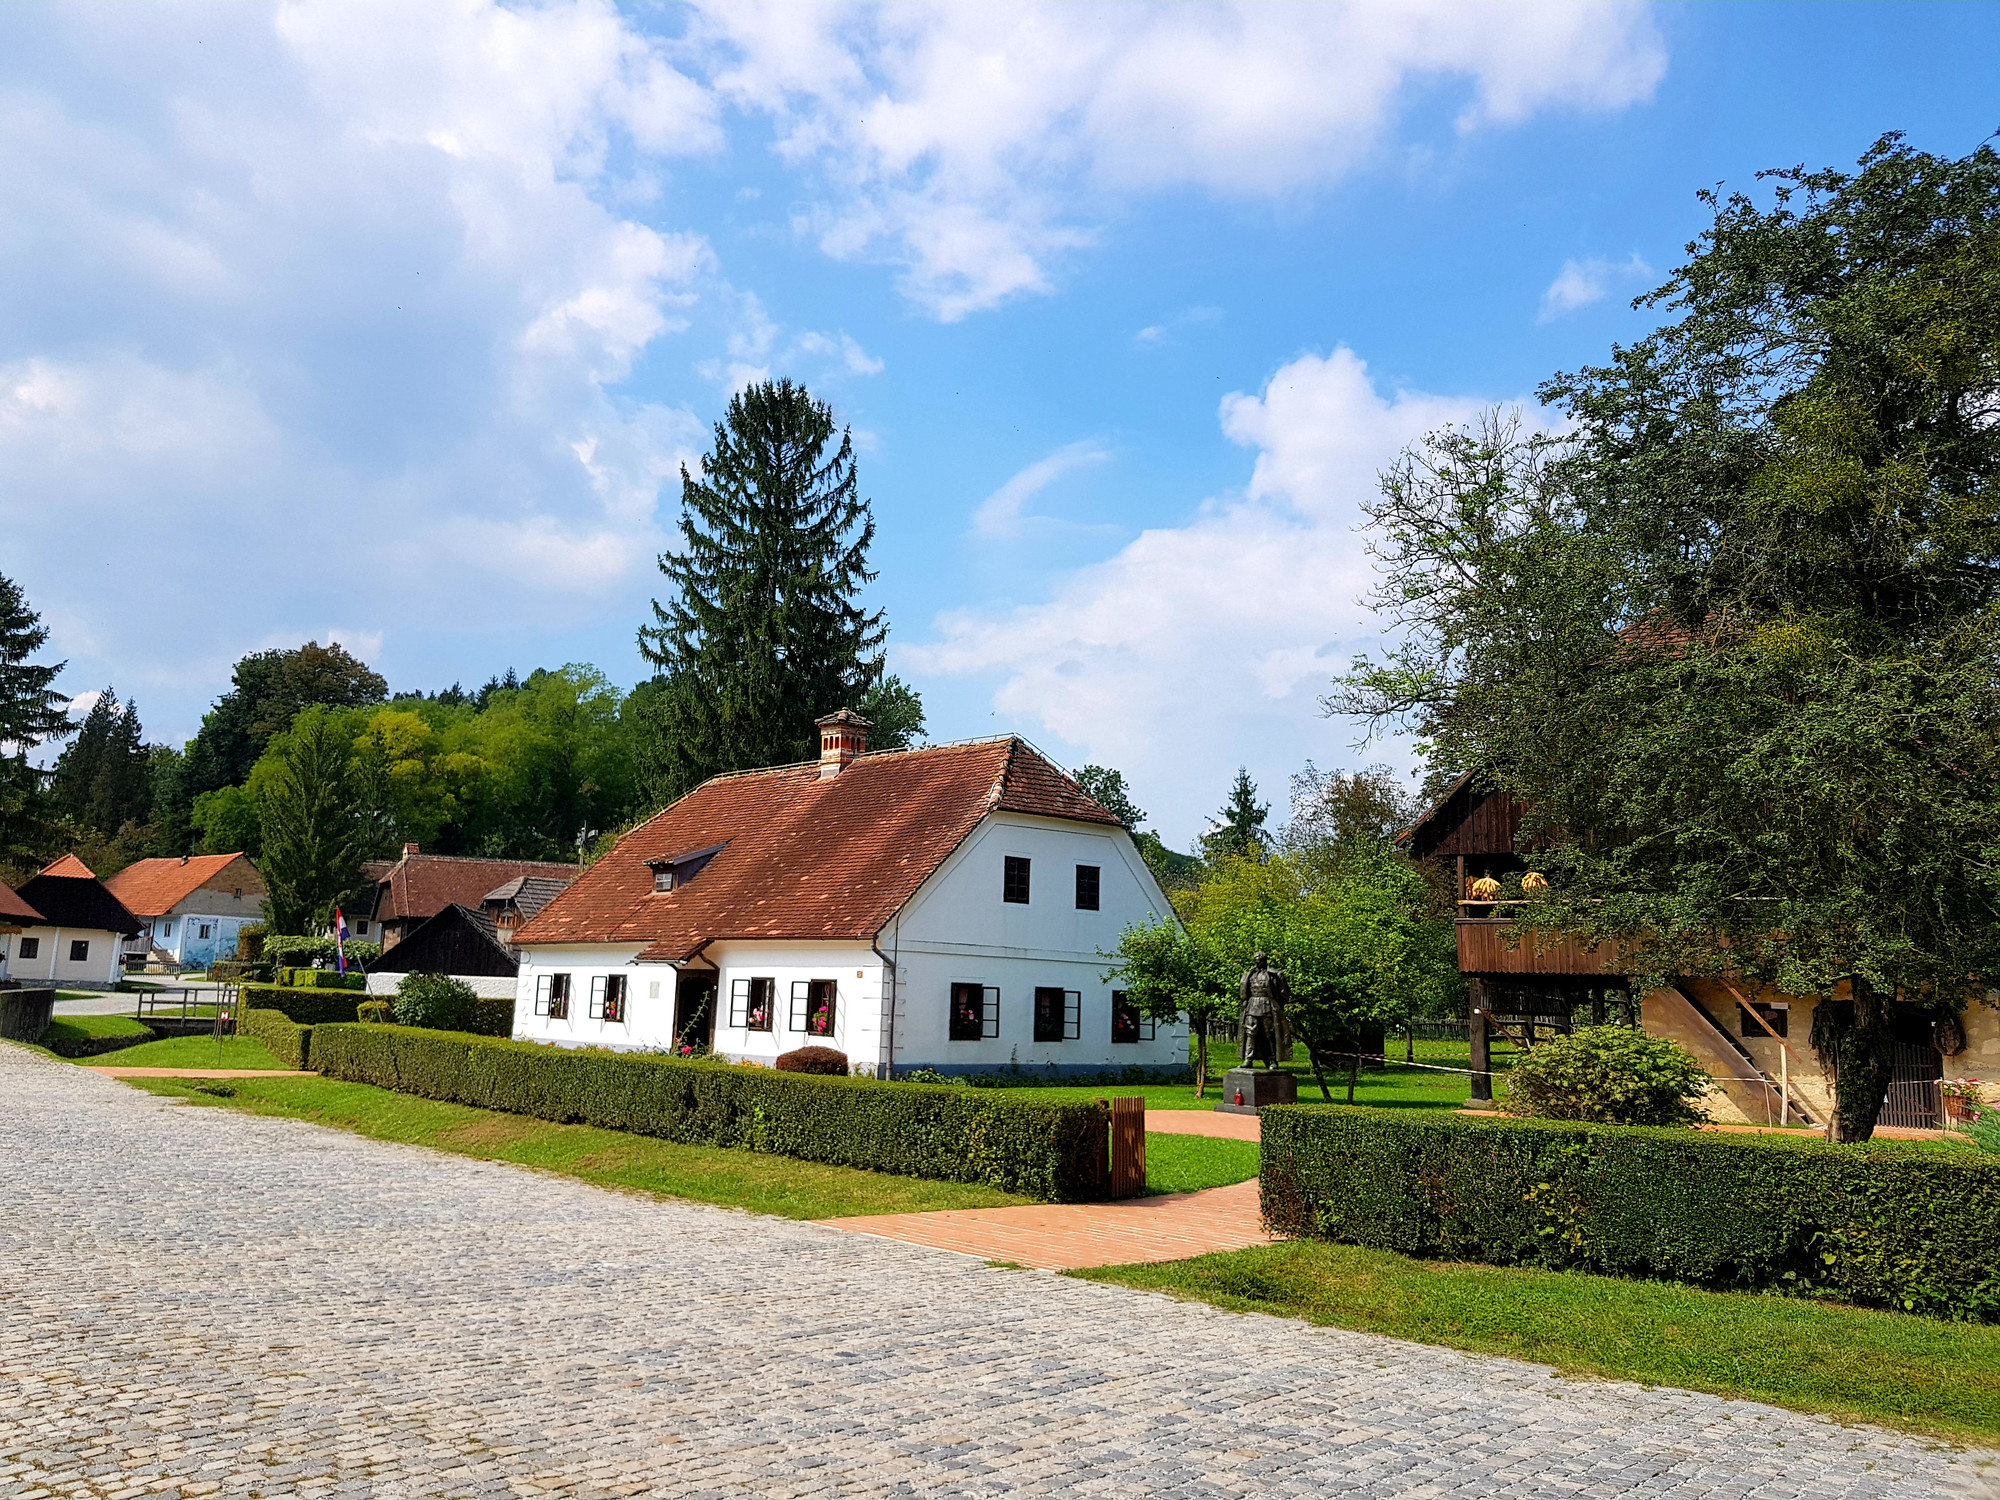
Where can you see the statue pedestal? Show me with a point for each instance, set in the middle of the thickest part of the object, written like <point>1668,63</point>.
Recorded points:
<point>1247,1090</point>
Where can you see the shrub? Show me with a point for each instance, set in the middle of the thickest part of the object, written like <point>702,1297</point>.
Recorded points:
<point>307,1007</point>
<point>293,949</point>
<point>493,1015</point>
<point>1612,1075</point>
<point>282,1037</point>
<point>1055,1152</point>
<point>1890,1224</point>
<point>324,979</point>
<point>435,1001</point>
<point>250,942</point>
<point>822,1060</point>
<point>373,1012</point>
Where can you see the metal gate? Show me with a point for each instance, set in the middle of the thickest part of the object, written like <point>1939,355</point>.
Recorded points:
<point>1912,1100</point>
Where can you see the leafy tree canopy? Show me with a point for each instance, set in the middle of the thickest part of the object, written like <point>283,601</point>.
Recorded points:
<point>1731,640</point>
<point>268,688</point>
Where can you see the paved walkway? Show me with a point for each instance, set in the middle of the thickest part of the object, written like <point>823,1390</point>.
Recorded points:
<point>199,1301</point>
<point>1063,1236</point>
<point>1204,1122</point>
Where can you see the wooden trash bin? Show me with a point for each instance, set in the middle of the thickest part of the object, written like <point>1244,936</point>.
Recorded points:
<point>1128,1148</point>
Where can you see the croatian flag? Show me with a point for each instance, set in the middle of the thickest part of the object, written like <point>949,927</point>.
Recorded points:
<point>340,939</point>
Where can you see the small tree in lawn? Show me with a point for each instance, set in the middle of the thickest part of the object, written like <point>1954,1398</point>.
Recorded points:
<point>1170,972</point>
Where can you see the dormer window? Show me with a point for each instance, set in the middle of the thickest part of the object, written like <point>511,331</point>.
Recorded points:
<point>675,872</point>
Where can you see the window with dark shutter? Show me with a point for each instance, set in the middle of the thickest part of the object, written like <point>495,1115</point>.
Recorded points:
<point>1014,883</point>
<point>1086,887</point>
<point>79,951</point>
<point>1128,1022</point>
<point>552,996</point>
<point>820,997</point>
<point>752,1003</point>
<point>975,1013</point>
<point>31,947</point>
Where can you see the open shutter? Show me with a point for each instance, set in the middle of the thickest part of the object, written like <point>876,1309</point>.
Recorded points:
<point>739,1002</point>
<point>989,1015</point>
<point>597,998</point>
<point>1072,1015</point>
<point>541,994</point>
<point>801,998</point>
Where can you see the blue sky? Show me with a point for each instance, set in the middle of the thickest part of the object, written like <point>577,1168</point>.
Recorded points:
<point>395,324</point>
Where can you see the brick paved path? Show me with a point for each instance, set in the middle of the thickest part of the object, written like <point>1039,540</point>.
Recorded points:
<point>194,1301</point>
<point>1062,1236</point>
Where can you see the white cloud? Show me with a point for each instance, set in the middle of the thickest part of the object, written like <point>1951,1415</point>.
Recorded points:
<point>1000,515</point>
<point>1201,646</point>
<point>975,145</point>
<point>332,305</point>
<point>1582,282</point>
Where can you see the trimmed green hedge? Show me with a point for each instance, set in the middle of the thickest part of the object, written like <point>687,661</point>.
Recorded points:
<point>308,1007</point>
<point>282,1037</point>
<point>315,1007</point>
<point>1055,1152</point>
<point>322,979</point>
<point>1890,1224</point>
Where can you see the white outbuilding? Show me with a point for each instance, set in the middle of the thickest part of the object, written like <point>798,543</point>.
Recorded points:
<point>948,908</point>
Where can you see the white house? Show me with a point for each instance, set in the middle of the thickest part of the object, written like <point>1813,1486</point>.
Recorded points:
<point>82,927</point>
<point>944,908</point>
<point>192,907</point>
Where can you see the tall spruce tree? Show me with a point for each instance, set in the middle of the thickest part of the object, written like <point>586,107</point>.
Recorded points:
<point>31,714</point>
<point>763,633</point>
<point>312,832</point>
<point>104,780</point>
<point>1239,826</point>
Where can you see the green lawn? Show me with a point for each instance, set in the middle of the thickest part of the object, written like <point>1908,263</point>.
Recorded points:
<point>1383,1087</point>
<point>707,1174</point>
<point>1188,1163</point>
<point>1842,1362</point>
<point>189,1052</point>
<point>80,1027</point>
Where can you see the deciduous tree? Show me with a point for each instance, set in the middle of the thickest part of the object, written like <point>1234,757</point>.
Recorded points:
<point>1732,641</point>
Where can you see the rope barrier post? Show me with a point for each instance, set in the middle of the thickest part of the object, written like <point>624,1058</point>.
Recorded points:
<point>1482,1047</point>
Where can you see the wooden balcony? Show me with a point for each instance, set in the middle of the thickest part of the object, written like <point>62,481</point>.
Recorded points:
<point>1486,947</point>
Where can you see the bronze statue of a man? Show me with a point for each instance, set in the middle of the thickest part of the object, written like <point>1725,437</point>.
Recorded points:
<point>1264,1032</point>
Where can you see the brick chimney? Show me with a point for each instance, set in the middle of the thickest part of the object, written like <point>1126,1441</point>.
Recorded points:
<point>842,736</point>
<point>409,849</point>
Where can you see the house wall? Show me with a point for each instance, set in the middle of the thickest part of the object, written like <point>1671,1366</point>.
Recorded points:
<point>959,929</point>
<point>52,961</point>
<point>956,929</point>
<point>225,904</point>
<point>650,995</point>
<point>493,987</point>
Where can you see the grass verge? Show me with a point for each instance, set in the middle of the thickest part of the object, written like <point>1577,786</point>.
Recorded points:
<point>189,1052</point>
<point>1842,1362</point>
<point>1382,1087</point>
<point>707,1174</point>
<point>1188,1163</point>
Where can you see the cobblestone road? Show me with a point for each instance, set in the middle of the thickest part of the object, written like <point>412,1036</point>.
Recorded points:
<point>194,1302</point>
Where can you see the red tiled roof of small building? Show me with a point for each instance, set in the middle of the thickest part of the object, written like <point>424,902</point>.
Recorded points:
<point>422,885</point>
<point>805,857</point>
<point>153,887</point>
<point>69,867</point>
<point>14,909</point>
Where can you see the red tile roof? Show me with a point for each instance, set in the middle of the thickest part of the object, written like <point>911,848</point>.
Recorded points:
<point>422,885</point>
<point>14,908</point>
<point>805,858</point>
<point>153,887</point>
<point>69,867</point>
